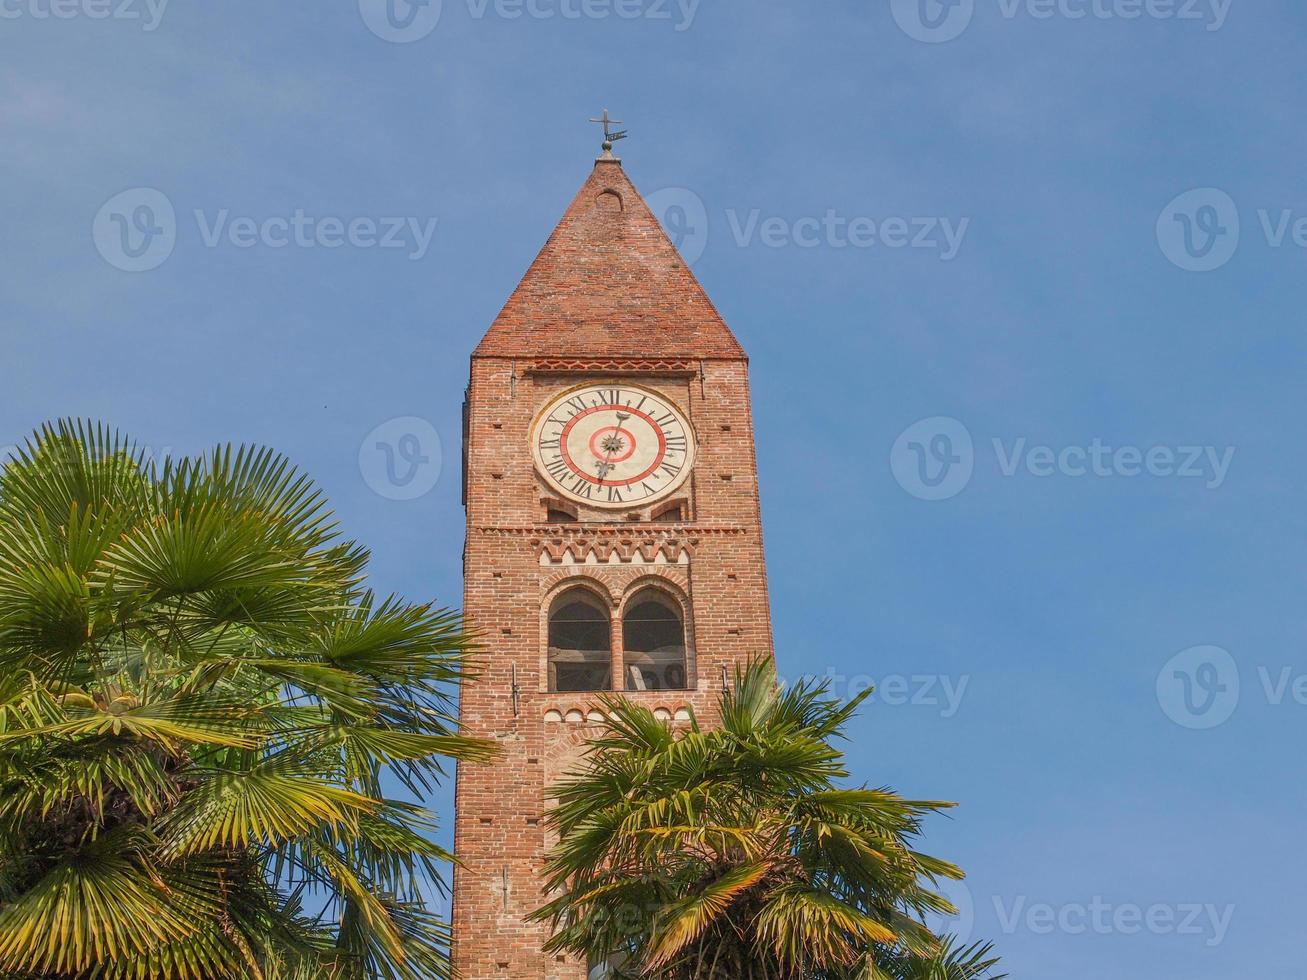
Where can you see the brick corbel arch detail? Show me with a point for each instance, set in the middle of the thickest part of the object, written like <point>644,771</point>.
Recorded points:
<point>643,578</point>
<point>616,581</point>
<point>598,578</point>
<point>674,577</point>
<point>627,551</point>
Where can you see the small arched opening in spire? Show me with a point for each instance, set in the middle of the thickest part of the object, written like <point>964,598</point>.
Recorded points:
<point>609,200</point>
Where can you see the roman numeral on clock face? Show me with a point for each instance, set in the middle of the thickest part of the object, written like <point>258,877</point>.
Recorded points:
<point>612,445</point>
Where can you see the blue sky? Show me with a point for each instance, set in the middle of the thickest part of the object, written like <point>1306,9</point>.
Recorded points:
<point>1136,351</point>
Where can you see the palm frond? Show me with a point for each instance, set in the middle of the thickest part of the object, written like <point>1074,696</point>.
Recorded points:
<point>741,851</point>
<point>200,707</point>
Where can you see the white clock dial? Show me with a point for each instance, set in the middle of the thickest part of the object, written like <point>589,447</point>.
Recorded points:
<point>612,445</point>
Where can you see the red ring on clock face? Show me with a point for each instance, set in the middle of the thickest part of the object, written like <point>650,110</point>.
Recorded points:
<point>628,440</point>
<point>576,470</point>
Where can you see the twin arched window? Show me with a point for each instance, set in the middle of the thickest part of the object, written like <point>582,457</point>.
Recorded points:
<point>653,650</point>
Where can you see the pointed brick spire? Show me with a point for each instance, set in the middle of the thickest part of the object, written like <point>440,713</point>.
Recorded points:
<point>609,283</point>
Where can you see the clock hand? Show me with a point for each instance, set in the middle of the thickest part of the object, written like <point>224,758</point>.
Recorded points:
<point>606,466</point>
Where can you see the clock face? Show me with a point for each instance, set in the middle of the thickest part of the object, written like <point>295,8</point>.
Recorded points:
<point>612,445</point>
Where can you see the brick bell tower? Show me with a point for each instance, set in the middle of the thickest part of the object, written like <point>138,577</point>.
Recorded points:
<point>614,539</point>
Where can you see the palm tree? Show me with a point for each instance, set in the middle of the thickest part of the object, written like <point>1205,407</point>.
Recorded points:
<point>737,852</point>
<point>201,710</point>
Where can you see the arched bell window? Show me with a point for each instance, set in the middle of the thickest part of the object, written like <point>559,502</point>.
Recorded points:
<point>653,643</point>
<point>580,643</point>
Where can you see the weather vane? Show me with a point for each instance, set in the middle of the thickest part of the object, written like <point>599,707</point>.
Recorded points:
<point>611,136</point>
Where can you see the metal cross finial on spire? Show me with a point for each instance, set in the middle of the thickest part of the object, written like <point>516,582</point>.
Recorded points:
<point>610,136</point>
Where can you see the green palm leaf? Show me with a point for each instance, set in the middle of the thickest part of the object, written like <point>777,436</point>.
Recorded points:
<point>103,903</point>
<point>200,706</point>
<point>740,852</point>
<point>686,920</point>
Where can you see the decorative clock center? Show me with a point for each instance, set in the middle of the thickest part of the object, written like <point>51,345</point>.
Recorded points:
<point>613,443</point>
